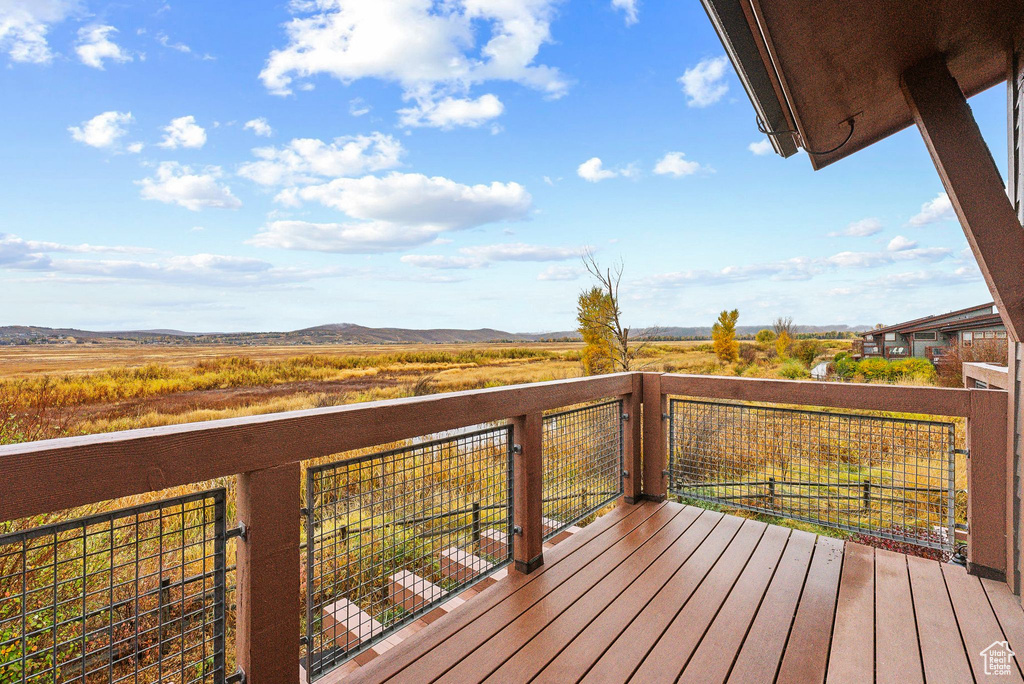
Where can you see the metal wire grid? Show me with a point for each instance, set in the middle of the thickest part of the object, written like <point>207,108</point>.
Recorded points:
<point>582,463</point>
<point>131,595</point>
<point>393,534</point>
<point>882,477</point>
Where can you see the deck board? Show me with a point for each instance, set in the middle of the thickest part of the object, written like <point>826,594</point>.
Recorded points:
<point>942,649</point>
<point>853,634</point>
<point>660,592</point>
<point>759,658</point>
<point>718,647</point>
<point>806,657</point>
<point>897,654</point>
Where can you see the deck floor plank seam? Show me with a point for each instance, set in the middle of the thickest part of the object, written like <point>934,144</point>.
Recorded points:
<point>525,597</point>
<point>549,642</point>
<point>503,643</point>
<point>805,659</point>
<point>618,656</point>
<point>623,517</point>
<point>943,653</point>
<point>727,566</point>
<point>718,648</point>
<point>765,641</point>
<point>568,663</point>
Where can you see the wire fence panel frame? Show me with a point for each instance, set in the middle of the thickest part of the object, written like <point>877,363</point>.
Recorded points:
<point>393,534</point>
<point>581,463</point>
<point>883,477</point>
<point>136,594</point>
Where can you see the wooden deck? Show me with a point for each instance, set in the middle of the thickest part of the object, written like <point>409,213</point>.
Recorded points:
<point>666,592</point>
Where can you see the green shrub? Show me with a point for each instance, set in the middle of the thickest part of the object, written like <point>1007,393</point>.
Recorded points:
<point>793,370</point>
<point>808,350</point>
<point>844,366</point>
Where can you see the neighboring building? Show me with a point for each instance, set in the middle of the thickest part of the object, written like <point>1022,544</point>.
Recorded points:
<point>985,376</point>
<point>931,336</point>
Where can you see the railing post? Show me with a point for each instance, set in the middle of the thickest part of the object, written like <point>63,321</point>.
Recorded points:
<point>268,631</point>
<point>654,444</point>
<point>986,484</point>
<point>632,441</point>
<point>528,543</point>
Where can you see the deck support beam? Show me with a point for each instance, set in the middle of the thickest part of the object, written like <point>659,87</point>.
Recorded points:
<point>655,483</point>
<point>632,441</point>
<point>972,181</point>
<point>527,507</point>
<point>267,623</point>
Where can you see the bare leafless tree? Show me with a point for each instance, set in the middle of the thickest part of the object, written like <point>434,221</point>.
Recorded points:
<point>783,324</point>
<point>627,345</point>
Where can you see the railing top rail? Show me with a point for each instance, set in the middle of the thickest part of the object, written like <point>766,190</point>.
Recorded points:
<point>65,473</point>
<point>935,401</point>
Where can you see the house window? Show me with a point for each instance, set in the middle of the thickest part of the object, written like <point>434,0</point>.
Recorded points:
<point>890,337</point>
<point>1001,334</point>
<point>897,351</point>
<point>968,339</point>
<point>924,335</point>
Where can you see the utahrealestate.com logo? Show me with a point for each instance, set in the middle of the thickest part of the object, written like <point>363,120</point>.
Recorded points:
<point>998,658</point>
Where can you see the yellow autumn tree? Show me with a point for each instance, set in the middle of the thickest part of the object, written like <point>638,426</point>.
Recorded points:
<point>723,336</point>
<point>594,315</point>
<point>782,344</point>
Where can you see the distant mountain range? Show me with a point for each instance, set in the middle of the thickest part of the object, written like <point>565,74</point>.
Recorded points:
<point>346,333</point>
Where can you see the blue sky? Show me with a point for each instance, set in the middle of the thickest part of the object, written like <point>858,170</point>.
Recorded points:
<point>274,165</point>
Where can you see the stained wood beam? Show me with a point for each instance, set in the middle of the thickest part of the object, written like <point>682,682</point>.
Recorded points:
<point>972,181</point>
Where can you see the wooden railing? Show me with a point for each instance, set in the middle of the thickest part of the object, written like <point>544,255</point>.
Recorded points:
<point>265,452</point>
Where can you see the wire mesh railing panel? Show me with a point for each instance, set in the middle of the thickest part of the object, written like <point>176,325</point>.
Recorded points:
<point>393,534</point>
<point>134,595</point>
<point>882,477</point>
<point>582,463</point>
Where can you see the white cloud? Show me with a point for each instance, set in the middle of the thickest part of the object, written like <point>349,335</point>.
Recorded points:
<point>308,160</point>
<point>761,147</point>
<point>183,132</point>
<point>16,252</point>
<point>177,184</point>
<point>593,170</point>
<point>429,48</point>
<point>394,212</point>
<point>165,40</point>
<point>357,107</point>
<point>260,127</point>
<point>25,23</point>
<point>483,255</point>
<point>104,130</point>
<point>938,209</point>
<point>451,112</point>
<point>369,237</point>
<point>863,228</point>
<point>673,164</point>
<point>629,8</point>
<point>900,243</point>
<point>135,147</point>
<point>555,272</point>
<point>705,83</point>
<point>796,268</point>
<point>94,46</point>
<point>415,199</point>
